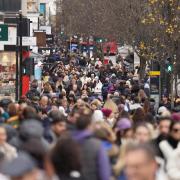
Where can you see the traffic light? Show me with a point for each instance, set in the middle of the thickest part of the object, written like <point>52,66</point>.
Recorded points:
<point>169,65</point>
<point>28,66</point>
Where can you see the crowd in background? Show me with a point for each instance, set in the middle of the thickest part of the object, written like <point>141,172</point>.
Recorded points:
<point>89,121</point>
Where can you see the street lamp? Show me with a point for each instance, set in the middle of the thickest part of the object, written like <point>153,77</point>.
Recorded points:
<point>20,49</point>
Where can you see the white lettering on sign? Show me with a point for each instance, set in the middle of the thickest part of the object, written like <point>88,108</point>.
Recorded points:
<point>29,41</point>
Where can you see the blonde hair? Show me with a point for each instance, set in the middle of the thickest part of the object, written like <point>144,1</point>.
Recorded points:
<point>109,104</point>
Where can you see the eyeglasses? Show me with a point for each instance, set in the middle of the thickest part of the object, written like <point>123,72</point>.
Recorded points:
<point>176,130</point>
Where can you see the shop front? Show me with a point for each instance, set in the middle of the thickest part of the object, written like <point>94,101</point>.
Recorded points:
<point>7,74</point>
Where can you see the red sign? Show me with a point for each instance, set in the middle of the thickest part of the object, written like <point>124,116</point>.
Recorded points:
<point>25,84</point>
<point>110,47</point>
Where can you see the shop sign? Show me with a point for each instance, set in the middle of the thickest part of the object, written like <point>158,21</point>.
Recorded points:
<point>47,29</point>
<point>29,41</point>
<point>3,32</point>
<point>12,34</point>
<point>154,73</point>
<point>41,38</point>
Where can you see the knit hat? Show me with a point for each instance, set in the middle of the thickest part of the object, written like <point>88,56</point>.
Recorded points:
<point>106,112</point>
<point>176,116</point>
<point>123,124</point>
<point>97,116</point>
<point>162,109</point>
<point>164,112</point>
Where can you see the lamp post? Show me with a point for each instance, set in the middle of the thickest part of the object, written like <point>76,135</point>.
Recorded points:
<point>17,58</point>
<point>20,52</point>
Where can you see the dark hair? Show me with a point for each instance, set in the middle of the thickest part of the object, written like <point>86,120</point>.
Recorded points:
<point>138,116</point>
<point>65,156</point>
<point>160,119</point>
<point>29,113</point>
<point>34,83</point>
<point>84,120</point>
<point>136,100</point>
<point>124,114</point>
<point>56,116</point>
<point>173,123</point>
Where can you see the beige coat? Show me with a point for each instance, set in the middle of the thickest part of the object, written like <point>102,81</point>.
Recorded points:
<point>8,151</point>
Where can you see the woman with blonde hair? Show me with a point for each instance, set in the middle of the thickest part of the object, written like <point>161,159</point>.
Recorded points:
<point>110,105</point>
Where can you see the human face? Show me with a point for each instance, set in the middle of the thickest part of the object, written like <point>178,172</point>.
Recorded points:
<point>128,134</point>
<point>44,101</point>
<point>142,134</point>
<point>175,133</point>
<point>3,135</point>
<point>164,127</point>
<point>138,166</point>
<point>59,128</point>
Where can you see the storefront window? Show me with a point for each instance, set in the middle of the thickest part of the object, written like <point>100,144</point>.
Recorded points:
<point>7,74</point>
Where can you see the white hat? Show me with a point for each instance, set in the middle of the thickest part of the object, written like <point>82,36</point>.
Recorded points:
<point>97,116</point>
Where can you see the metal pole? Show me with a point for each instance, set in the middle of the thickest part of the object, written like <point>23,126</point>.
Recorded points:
<point>17,62</point>
<point>20,49</point>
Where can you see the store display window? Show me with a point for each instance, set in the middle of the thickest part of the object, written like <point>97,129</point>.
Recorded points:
<point>7,74</point>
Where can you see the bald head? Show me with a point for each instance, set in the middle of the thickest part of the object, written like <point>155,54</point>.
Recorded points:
<point>44,101</point>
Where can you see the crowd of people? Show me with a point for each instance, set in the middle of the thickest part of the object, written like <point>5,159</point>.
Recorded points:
<point>89,121</point>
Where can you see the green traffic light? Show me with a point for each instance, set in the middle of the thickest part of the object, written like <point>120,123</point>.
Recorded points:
<point>169,68</point>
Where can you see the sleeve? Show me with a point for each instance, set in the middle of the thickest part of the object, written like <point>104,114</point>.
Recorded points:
<point>173,165</point>
<point>104,169</point>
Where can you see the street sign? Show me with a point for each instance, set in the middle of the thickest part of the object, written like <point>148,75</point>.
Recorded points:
<point>12,34</point>
<point>29,41</point>
<point>3,32</point>
<point>154,73</point>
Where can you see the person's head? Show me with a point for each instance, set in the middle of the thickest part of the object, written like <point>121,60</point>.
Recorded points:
<point>138,116</point>
<point>142,133</point>
<point>141,94</point>
<point>95,104</point>
<point>163,126</point>
<point>85,118</point>
<point>73,115</point>
<point>136,100</point>
<point>124,129</point>
<point>74,87</point>
<point>104,132</point>
<point>175,130</point>
<point>58,124</point>
<point>3,135</point>
<point>124,114</point>
<point>29,113</point>
<point>22,167</point>
<point>140,163</point>
<point>65,156</point>
<point>44,101</point>
<point>13,109</point>
<point>165,99</point>
<point>47,88</point>
<point>146,106</point>
<point>34,84</point>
